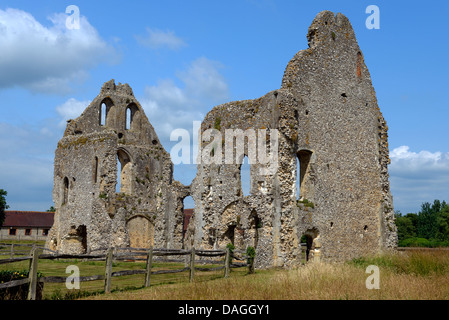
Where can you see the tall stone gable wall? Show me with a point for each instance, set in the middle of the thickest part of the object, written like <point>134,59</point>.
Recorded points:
<point>90,213</point>
<point>327,119</point>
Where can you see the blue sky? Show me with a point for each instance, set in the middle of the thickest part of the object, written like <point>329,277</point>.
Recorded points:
<point>183,57</point>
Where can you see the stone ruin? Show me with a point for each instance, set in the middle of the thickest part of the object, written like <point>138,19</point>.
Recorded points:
<point>331,140</point>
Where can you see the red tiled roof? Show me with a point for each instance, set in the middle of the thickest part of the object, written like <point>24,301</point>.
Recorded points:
<point>28,219</point>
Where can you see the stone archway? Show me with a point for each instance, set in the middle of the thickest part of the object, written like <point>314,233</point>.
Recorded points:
<point>310,245</point>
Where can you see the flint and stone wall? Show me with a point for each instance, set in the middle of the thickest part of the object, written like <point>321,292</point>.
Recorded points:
<point>325,117</point>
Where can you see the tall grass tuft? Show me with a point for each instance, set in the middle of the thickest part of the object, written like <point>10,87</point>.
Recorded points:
<point>419,262</point>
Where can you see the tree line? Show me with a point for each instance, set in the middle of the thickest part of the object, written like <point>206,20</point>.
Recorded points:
<point>427,228</point>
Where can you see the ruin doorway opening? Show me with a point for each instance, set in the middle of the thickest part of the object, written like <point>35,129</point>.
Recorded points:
<point>255,225</point>
<point>309,244</point>
<point>229,235</point>
<point>82,233</point>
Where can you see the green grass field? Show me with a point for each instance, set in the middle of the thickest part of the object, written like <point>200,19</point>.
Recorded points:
<point>89,268</point>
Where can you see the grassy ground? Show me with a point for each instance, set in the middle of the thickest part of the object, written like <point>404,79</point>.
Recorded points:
<point>417,275</point>
<point>89,268</point>
<point>420,275</point>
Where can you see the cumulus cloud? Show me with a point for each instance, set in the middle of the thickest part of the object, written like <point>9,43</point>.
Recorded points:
<point>417,177</point>
<point>70,109</point>
<point>48,59</point>
<point>169,106</point>
<point>157,39</point>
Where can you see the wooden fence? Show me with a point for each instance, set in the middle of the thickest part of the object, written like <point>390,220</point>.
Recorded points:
<point>128,254</point>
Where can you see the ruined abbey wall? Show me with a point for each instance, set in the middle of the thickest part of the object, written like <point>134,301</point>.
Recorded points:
<point>327,117</point>
<point>113,143</point>
<point>324,116</point>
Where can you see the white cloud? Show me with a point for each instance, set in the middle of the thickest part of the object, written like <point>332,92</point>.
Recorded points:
<point>417,177</point>
<point>423,165</point>
<point>203,80</point>
<point>156,39</point>
<point>48,59</point>
<point>169,106</point>
<point>70,109</point>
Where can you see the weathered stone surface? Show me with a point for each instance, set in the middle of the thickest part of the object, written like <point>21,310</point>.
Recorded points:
<point>90,214</point>
<point>325,116</point>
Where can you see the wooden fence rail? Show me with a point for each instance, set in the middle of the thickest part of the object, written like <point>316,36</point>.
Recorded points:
<point>133,254</point>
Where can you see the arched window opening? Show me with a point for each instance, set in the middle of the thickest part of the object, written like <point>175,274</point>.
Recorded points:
<point>245,177</point>
<point>124,168</point>
<point>105,108</point>
<point>130,116</point>
<point>103,111</point>
<point>302,171</point>
<point>128,119</point>
<point>65,196</point>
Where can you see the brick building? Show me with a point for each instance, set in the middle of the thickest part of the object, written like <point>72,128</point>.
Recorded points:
<point>26,225</point>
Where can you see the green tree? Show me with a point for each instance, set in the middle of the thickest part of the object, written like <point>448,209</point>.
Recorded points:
<point>443,223</point>
<point>414,219</point>
<point>405,225</point>
<point>3,205</point>
<point>427,220</point>
<point>52,209</point>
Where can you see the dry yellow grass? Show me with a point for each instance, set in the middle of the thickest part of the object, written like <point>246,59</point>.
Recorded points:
<point>420,276</point>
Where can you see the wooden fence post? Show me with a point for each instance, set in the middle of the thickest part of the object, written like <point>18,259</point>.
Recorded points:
<point>227,263</point>
<point>108,271</point>
<point>12,251</point>
<point>149,263</point>
<point>192,265</point>
<point>32,274</point>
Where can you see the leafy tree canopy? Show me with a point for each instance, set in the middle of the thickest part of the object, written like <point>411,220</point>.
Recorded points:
<point>3,205</point>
